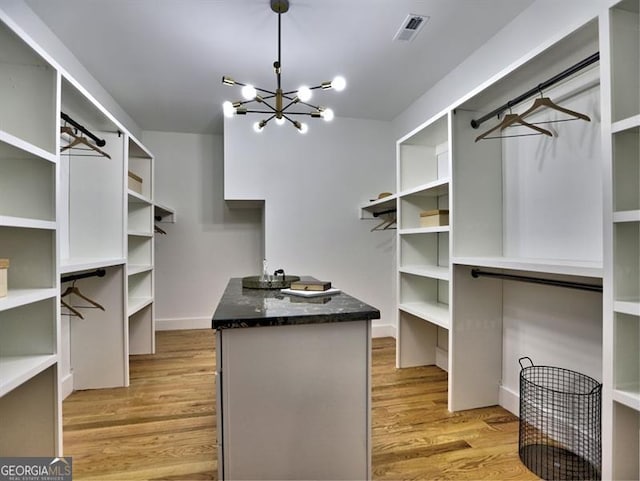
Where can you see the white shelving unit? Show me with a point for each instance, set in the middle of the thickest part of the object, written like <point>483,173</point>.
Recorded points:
<point>92,229</point>
<point>621,115</point>
<point>163,213</point>
<point>29,329</point>
<point>141,211</point>
<point>423,173</point>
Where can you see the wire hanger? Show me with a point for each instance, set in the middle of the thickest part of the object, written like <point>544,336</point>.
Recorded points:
<point>508,121</point>
<point>543,101</point>
<point>72,289</point>
<point>80,140</point>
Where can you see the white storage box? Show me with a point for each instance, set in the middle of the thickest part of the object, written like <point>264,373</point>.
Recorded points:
<point>4,267</point>
<point>135,182</point>
<point>434,218</point>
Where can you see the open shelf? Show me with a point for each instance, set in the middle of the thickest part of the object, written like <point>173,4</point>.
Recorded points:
<point>21,297</point>
<point>133,269</point>
<point>16,370</point>
<point>26,223</point>
<point>83,264</point>
<point>550,266</point>
<point>162,213</point>
<point>625,124</point>
<point>135,197</point>
<point>378,205</point>
<point>136,304</point>
<point>631,307</point>
<point>434,188</point>
<point>628,395</point>
<point>436,313</point>
<point>15,147</point>
<point>424,230</point>
<point>435,272</point>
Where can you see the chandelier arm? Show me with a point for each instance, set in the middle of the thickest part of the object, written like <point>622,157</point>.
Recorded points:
<point>298,113</point>
<point>317,107</point>
<point>270,92</point>
<point>260,112</point>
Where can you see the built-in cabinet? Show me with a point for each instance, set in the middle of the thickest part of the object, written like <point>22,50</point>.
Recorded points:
<point>140,230</point>
<point>524,207</point>
<point>68,219</point>
<point>29,314</point>
<point>424,270</point>
<point>621,115</point>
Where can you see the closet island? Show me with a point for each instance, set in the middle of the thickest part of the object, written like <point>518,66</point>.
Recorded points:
<point>293,385</point>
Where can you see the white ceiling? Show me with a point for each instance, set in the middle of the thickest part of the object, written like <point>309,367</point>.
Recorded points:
<point>163,60</point>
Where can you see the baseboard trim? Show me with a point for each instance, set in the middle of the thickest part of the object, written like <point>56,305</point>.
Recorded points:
<point>385,330</point>
<point>66,385</point>
<point>183,323</point>
<point>510,400</point>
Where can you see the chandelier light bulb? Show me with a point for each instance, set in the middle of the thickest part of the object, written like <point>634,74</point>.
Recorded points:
<point>304,93</point>
<point>228,109</point>
<point>304,128</point>
<point>328,115</point>
<point>258,127</point>
<point>249,92</point>
<point>280,121</point>
<point>339,83</point>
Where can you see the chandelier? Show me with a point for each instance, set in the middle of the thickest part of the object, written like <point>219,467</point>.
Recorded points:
<point>280,106</point>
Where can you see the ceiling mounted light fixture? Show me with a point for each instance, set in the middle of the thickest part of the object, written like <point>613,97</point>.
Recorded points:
<point>280,105</point>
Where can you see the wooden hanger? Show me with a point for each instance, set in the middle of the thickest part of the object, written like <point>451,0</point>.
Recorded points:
<point>71,309</point>
<point>74,290</point>
<point>159,230</point>
<point>510,119</point>
<point>77,140</point>
<point>541,102</point>
<point>385,224</point>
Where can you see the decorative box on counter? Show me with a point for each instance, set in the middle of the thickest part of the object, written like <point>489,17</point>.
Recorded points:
<point>434,218</point>
<point>4,267</point>
<point>135,182</point>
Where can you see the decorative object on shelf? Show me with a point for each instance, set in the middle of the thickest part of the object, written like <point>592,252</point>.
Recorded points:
<point>4,267</point>
<point>382,195</point>
<point>307,283</point>
<point>282,101</point>
<point>134,182</point>
<point>434,218</point>
<point>296,292</point>
<point>560,422</point>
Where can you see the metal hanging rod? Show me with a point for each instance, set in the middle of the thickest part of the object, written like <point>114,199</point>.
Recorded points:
<point>475,123</point>
<point>85,275</point>
<point>383,212</point>
<point>475,273</point>
<point>99,142</point>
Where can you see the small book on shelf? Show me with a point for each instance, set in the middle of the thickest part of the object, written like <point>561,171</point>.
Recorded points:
<point>310,284</point>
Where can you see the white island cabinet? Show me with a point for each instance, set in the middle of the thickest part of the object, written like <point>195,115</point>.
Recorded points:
<point>293,385</point>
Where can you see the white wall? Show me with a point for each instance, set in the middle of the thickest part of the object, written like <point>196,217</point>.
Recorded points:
<point>312,186</point>
<point>209,243</point>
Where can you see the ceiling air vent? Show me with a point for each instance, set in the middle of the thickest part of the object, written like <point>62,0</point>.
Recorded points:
<point>410,27</point>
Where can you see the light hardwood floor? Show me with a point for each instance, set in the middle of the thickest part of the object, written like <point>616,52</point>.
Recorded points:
<point>163,426</point>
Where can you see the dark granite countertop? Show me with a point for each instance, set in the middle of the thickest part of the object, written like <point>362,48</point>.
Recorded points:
<point>241,307</point>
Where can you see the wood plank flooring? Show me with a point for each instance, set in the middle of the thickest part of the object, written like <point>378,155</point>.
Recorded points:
<point>163,426</point>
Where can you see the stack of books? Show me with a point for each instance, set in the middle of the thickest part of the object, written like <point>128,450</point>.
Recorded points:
<point>310,287</point>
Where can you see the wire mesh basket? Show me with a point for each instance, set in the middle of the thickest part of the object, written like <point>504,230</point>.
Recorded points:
<point>560,423</point>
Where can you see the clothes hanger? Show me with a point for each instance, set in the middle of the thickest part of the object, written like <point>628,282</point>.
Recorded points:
<point>74,290</point>
<point>159,230</point>
<point>542,101</point>
<point>385,224</point>
<point>82,140</point>
<point>73,311</point>
<point>510,119</point>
